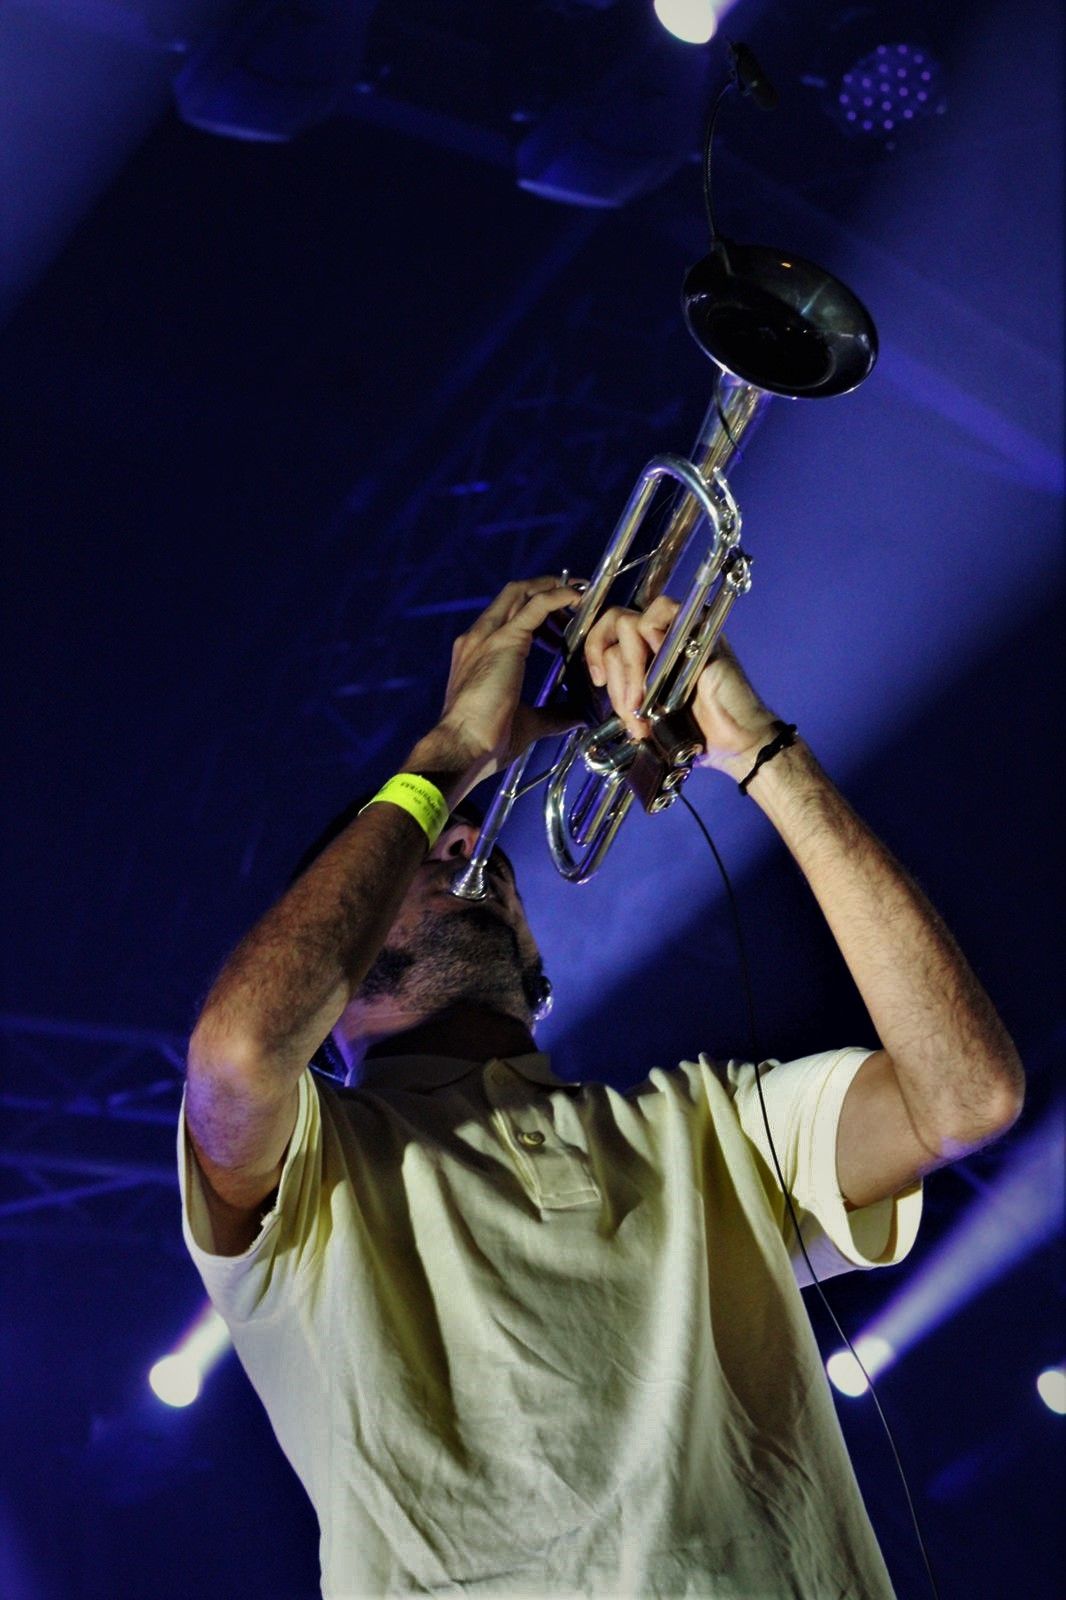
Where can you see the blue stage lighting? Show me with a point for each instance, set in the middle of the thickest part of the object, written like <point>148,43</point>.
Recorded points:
<point>1019,1215</point>
<point>889,89</point>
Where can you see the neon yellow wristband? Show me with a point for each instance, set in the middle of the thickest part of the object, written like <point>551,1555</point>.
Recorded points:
<point>419,798</point>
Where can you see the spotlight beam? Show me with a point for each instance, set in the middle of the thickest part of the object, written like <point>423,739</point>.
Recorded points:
<point>178,1377</point>
<point>1017,1215</point>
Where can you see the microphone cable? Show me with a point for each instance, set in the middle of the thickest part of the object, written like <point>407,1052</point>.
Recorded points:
<point>757,1060</point>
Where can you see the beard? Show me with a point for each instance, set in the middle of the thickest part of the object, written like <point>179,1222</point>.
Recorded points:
<point>472,955</point>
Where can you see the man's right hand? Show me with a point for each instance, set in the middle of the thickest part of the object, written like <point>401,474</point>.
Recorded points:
<point>483,710</point>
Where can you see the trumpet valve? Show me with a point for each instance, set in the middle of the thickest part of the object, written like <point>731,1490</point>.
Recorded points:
<point>670,786</point>
<point>736,573</point>
<point>663,760</point>
<point>607,749</point>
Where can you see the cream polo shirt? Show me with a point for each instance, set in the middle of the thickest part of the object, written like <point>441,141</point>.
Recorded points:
<point>526,1337</point>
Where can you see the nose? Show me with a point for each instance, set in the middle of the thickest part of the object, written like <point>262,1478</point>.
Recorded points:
<point>457,841</point>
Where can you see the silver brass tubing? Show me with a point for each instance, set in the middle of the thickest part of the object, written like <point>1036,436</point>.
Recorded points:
<point>577,869</point>
<point>741,405</point>
<point>626,528</point>
<point>610,750</point>
<point>696,659</point>
<point>593,825</point>
<point>469,882</point>
<point>710,499</point>
<point>703,494</point>
<point>574,828</point>
<point>738,406</point>
<point>723,516</point>
<point>614,556</point>
<point>581,808</point>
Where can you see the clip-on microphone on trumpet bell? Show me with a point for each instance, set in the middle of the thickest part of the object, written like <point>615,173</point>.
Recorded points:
<point>767,316</point>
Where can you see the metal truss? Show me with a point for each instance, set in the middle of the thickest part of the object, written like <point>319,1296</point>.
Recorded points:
<point>532,484</point>
<point>529,467</point>
<point>88,1114</point>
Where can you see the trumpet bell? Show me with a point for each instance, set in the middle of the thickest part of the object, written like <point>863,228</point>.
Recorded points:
<point>778,322</point>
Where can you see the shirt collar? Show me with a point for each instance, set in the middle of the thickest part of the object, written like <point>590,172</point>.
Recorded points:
<point>433,1072</point>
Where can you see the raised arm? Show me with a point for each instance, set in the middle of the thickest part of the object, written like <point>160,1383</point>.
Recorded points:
<point>289,980</point>
<point>280,993</point>
<point>948,1078</point>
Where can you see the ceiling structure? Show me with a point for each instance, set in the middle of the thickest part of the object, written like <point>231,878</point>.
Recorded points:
<point>322,323</point>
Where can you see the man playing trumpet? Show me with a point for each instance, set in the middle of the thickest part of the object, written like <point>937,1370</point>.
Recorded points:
<point>521,1336</point>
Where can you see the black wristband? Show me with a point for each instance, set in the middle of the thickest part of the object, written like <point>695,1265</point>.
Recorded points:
<point>786,735</point>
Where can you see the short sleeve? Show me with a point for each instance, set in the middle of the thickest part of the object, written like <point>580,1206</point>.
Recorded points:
<point>803,1101</point>
<point>255,1283</point>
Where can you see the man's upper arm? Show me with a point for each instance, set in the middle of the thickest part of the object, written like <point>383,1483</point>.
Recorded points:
<point>878,1152</point>
<point>803,1101</point>
<point>239,1121</point>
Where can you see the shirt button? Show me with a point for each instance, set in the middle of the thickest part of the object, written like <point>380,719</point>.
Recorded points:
<point>531,1140</point>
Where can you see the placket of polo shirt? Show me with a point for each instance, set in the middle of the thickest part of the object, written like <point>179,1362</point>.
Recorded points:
<point>555,1175</point>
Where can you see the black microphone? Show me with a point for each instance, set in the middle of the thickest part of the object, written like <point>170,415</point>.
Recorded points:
<point>750,78</point>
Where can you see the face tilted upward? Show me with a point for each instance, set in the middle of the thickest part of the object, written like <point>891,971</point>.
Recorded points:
<point>442,950</point>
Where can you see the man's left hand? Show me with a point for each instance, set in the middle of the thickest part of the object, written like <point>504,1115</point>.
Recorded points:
<point>733,721</point>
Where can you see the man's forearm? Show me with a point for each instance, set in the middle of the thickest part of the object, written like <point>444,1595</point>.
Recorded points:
<point>288,981</point>
<point>957,1068</point>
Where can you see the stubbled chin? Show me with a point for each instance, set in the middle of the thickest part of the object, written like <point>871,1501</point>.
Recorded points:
<point>471,956</point>
<point>488,917</point>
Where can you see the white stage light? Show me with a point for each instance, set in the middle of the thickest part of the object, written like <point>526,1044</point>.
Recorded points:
<point>845,1373</point>
<point>1051,1387</point>
<point>1020,1213</point>
<point>175,1380</point>
<point>692,21</point>
<point>178,1378</point>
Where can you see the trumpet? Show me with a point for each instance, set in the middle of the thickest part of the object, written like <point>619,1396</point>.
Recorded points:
<point>775,325</point>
